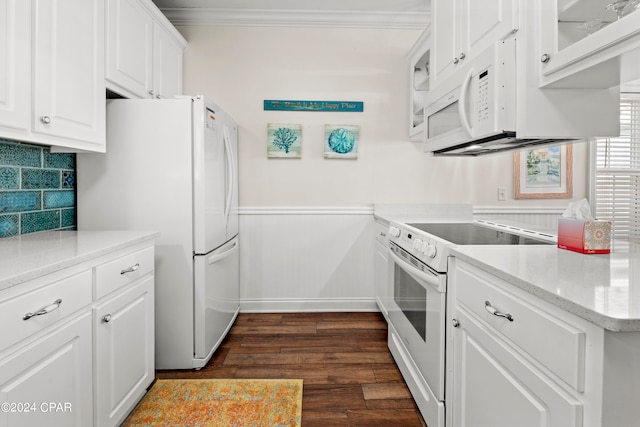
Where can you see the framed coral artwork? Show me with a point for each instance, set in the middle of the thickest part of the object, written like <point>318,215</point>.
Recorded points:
<point>341,141</point>
<point>284,141</point>
<point>543,173</point>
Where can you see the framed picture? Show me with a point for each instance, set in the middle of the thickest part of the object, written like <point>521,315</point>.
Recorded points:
<point>341,141</point>
<point>543,173</point>
<point>284,141</point>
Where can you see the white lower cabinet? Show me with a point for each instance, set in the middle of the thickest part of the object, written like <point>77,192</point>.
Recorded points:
<point>48,381</point>
<point>381,267</point>
<point>516,360</point>
<point>124,356</point>
<point>498,387</point>
<point>77,346</point>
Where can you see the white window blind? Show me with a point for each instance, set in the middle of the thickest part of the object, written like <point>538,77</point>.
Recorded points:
<point>617,174</point>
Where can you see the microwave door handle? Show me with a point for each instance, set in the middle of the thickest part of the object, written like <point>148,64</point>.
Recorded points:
<point>462,101</point>
<point>418,274</point>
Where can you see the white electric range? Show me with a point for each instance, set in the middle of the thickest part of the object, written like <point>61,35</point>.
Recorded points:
<point>418,264</point>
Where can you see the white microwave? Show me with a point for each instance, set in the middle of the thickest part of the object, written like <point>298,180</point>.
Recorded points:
<point>475,110</point>
<point>490,105</point>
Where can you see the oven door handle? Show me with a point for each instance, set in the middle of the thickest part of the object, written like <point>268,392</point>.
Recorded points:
<point>431,279</point>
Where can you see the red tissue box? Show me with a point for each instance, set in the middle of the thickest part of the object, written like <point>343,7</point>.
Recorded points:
<point>584,236</point>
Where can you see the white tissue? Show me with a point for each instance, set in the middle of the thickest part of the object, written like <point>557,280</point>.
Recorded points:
<point>579,210</point>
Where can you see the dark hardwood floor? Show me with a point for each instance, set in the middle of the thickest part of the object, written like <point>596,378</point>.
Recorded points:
<point>350,378</point>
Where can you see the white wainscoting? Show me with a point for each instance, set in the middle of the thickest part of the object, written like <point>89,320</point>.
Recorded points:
<point>322,259</point>
<point>306,259</point>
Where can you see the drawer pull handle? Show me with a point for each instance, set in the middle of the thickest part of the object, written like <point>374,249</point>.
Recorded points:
<point>44,310</point>
<point>130,269</point>
<point>106,318</point>
<point>491,309</point>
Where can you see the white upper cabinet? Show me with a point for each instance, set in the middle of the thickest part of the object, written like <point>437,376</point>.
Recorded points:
<point>15,64</point>
<point>463,28</point>
<point>144,51</point>
<point>129,47</point>
<point>419,81</point>
<point>69,99</point>
<point>167,59</point>
<point>52,73</point>
<point>588,43</point>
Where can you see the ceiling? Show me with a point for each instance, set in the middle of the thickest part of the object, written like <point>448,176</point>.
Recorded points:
<point>413,14</point>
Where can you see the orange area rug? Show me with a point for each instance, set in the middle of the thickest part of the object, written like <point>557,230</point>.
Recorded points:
<point>220,402</point>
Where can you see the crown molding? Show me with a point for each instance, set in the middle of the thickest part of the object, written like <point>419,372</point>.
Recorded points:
<point>296,18</point>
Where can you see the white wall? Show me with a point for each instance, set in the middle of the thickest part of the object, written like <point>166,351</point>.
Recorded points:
<point>240,67</point>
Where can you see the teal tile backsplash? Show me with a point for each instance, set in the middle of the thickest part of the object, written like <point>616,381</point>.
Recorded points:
<point>37,189</point>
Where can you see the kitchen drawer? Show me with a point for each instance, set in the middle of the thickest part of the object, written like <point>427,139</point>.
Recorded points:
<point>557,345</point>
<point>55,301</point>
<point>122,271</point>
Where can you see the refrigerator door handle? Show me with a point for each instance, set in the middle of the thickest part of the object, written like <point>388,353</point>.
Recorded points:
<point>217,257</point>
<point>230,173</point>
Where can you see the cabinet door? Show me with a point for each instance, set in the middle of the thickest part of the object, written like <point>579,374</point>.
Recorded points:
<point>381,265</point>
<point>444,35</point>
<point>464,28</point>
<point>167,67</point>
<point>582,44</point>
<point>124,352</point>
<point>49,381</point>
<point>15,64</point>
<point>69,71</point>
<point>483,22</point>
<point>495,386</point>
<point>129,42</point>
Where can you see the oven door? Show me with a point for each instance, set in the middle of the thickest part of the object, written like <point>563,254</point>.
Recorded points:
<point>417,313</point>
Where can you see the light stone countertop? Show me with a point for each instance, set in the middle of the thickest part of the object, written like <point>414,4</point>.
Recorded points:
<point>29,256</point>
<point>604,289</point>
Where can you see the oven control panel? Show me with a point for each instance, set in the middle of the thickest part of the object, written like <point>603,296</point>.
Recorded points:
<point>422,246</point>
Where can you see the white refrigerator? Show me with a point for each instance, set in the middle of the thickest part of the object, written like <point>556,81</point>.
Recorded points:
<point>171,166</point>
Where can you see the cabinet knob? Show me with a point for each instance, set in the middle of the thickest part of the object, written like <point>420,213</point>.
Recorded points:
<point>456,60</point>
<point>455,323</point>
<point>45,119</point>
<point>151,92</point>
<point>462,55</point>
<point>106,318</point>
<point>158,96</point>
<point>545,58</point>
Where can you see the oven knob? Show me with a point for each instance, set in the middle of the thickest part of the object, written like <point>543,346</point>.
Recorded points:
<point>417,243</point>
<point>394,231</point>
<point>430,251</point>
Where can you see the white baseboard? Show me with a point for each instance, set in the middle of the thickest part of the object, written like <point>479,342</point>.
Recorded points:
<point>307,305</point>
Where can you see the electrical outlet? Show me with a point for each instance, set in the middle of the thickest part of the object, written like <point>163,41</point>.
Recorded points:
<point>502,194</point>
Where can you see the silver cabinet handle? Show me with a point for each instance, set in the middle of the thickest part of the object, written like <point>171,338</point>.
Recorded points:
<point>491,309</point>
<point>44,310</point>
<point>545,58</point>
<point>455,323</point>
<point>462,55</point>
<point>130,269</point>
<point>45,119</point>
<point>151,92</point>
<point>456,60</point>
<point>106,318</point>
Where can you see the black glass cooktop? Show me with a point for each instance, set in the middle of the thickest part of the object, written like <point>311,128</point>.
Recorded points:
<point>468,233</point>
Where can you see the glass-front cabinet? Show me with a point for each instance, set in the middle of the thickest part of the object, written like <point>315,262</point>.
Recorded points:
<point>588,43</point>
<point>419,77</point>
